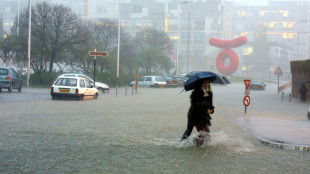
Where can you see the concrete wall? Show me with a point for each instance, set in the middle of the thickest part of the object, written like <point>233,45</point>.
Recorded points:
<point>300,71</point>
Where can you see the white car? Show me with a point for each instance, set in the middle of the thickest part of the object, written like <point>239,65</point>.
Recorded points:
<point>101,87</point>
<point>73,87</point>
<point>150,81</point>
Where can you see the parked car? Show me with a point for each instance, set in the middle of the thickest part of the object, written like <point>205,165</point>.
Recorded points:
<point>10,79</point>
<point>101,87</point>
<point>180,80</point>
<point>257,85</point>
<point>73,87</point>
<point>170,82</point>
<point>0,88</point>
<point>150,81</point>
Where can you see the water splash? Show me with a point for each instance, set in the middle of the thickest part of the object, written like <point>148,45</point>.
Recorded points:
<point>218,139</point>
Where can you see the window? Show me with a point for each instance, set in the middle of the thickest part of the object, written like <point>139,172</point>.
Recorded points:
<point>88,85</point>
<point>284,36</point>
<point>261,13</point>
<point>148,79</point>
<point>290,35</point>
<point>159,79</point>
<point>4,72</point>
<point>66,82</point>
<point>291,25</point>
<point>271,25</point>
<point>284,24</point>
<point>82,84</point>
<point>141,79</point>
<point>137,9</point>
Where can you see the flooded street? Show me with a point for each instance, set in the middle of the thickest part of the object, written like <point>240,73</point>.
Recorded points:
<point>138,134</point>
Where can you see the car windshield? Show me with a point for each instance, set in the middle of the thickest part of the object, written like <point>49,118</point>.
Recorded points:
<point>159,79</point>
<point>167,78</point>
<point>256,83</point>
<point>179,78</point>
<point>4,72</point>
<point>66,82</point>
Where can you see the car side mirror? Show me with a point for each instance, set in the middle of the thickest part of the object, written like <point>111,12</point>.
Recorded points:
<point>265,85</point>
<point>91,86</point>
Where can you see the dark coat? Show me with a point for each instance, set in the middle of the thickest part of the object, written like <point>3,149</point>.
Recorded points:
<point>303,93</point>
<point>198,112</point>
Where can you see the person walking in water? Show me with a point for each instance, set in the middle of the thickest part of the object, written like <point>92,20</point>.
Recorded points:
<point>303,93</point>
<point>199,112</point>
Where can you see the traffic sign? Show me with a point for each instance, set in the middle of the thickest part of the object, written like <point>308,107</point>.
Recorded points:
<point>246,101</point>
<point>247,92</point>
<point>278,71</point>
<point>247,83</point>
<point>97,53</point>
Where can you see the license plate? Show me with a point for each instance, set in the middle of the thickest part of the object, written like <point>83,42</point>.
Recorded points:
<point>64,90</point>
<point>161,86</point>
<point>255,86</point>
<point>172,82</point>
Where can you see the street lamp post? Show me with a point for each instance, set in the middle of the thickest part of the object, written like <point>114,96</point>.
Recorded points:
<point>118,44</point>
<point>18,14</point>
<point>179,17</point>
<point>29,44</point>
<point>189,20</point>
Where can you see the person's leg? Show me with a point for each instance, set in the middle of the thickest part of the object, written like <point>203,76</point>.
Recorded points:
<point>188,132</point>
<point>203,134</point>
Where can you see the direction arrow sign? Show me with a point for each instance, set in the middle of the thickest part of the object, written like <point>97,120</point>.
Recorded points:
<point>96,53</point>
<point>247,83</point>
<point>278,71</point>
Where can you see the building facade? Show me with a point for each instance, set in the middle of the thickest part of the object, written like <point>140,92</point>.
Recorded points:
<point>189,25</point>
<point>287,31</point>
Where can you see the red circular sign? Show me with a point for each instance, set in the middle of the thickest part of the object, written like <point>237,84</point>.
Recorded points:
<point>246,101</point>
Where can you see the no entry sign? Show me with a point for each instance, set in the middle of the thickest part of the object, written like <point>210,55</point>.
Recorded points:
<point>246,101</point>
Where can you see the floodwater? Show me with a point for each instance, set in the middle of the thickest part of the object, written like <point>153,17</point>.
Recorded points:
<point>135,134</point>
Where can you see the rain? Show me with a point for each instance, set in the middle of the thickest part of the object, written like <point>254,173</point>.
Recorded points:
<point>154,86</point>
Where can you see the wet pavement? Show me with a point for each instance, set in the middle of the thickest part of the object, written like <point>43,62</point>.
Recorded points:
<point>139,134</point>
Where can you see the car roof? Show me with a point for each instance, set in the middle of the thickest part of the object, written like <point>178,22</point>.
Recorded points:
<point>71,77</point>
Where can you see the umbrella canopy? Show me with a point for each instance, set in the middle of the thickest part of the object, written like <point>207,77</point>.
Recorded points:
<point>222,80</point>
<point>196,78</point>
<point>302,82</point>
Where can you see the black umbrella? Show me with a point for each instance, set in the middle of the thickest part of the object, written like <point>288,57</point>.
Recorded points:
<point>222,80</point>
<point>196,78</point>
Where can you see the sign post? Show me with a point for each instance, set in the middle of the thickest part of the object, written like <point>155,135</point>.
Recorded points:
<point>246,99</point>
<point>96,53</point>
<point>278,73</point>
<point>136,85</point>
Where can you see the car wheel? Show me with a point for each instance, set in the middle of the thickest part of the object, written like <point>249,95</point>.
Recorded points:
<point>81,97</point>
<point>101,90</point>
<point>20,88</point>
<point>10,88</point>
<point>0,90</point>
<point>96,96</point>
<point>54,97</point>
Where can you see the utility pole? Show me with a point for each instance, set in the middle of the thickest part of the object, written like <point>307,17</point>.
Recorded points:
<point>29,45</point>
<point>189,20</point>
<point>18,17</point>
<point>118,44</point>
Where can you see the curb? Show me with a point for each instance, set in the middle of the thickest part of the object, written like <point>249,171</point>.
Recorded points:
<point>280,145</point>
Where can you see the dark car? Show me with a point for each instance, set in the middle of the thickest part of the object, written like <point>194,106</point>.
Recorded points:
<point>257,85</point>
<point>170,82</point>
<point>10,79</point>
<point>180,80</point>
